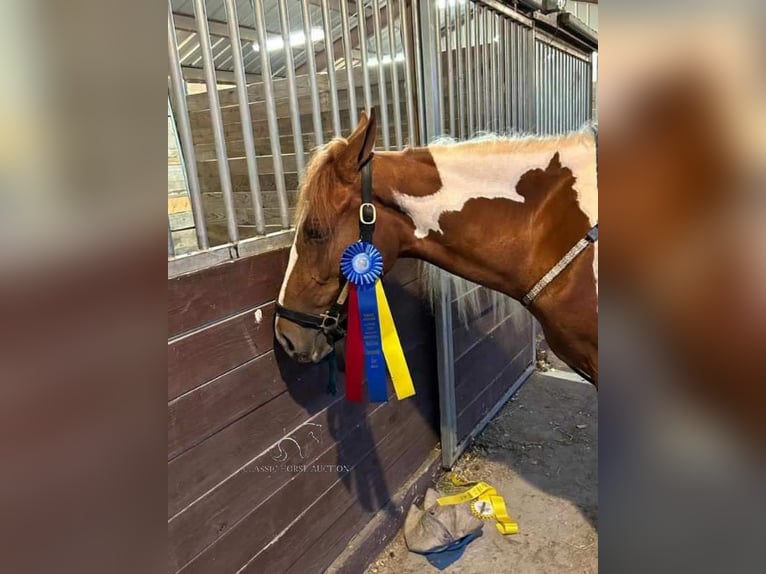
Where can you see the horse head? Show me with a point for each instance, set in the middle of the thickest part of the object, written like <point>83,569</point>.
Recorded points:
<point>327,221</point>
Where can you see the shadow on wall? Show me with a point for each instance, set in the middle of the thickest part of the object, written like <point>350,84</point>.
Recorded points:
<point>371,445</point>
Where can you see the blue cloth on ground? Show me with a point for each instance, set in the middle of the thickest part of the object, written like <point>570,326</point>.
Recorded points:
<point>449,554</point>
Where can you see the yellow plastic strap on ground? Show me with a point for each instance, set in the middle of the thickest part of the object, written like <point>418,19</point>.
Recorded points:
<point>483,491</point>
<point>392,348</point>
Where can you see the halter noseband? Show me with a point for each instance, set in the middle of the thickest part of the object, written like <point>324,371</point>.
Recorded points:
<point>330,322</point>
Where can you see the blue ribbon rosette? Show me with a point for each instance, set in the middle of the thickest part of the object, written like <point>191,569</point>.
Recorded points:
<point>362,264</point>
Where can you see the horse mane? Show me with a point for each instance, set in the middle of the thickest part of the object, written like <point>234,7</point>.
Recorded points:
<point>319,179</point>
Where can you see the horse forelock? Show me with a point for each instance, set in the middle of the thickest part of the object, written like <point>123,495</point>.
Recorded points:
<point>319,180</point>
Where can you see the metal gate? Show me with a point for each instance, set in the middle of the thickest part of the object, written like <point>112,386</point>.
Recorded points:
<point>486,68</point>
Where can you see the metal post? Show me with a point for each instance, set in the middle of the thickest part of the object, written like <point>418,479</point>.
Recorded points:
<point>181,116</point>
<point>295,112</point>
<point>419,74</point>
<point>316,109</point>
<point>514,76</point>
<point>529,78</point>
<point>382,96</point>
<point>271,113</point>
<point>501,73</point>
<point>449,19</point>
<point>538,87</point>
<point>217,121</point>
<point>405,29</point>
<point>244,116</point>
<point>437,44</point>
<point>349,60</point>
<point>487,45</point>
<point>459,50</point>
<point>477,61</point>
<point>508,25</point>
<point>444,348</point>
<point>394,75</point>
<point>330,65</point>
<point>171,247</point>
<point>361,24</point>
<point>469,68</point>
<point>493,45</point>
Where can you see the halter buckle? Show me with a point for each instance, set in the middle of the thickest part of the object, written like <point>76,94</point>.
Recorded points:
<point>373,218</point>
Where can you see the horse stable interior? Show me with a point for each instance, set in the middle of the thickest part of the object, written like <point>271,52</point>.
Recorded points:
<point>267,471</point>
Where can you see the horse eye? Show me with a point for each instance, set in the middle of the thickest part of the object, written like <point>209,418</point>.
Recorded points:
<point>314,233</point>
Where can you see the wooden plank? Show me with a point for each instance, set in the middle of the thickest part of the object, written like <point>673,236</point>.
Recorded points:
<point>211,184</point>
<point>480,365</point>
<point>205,354</point>
<point>181,220</point>
<point>392,463</point>
<point>203,412</point>
<point>259,526</point>
<point>472,413</point>
<point>196,471</point>
<point>217,292</point>
<point>199,469</point>
<point>178,204</point>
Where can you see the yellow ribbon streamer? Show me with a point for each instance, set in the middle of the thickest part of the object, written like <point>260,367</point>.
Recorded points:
<point>392,348</point>
<point>483,491</point>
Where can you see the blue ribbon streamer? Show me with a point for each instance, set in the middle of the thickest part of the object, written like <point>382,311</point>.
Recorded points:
<point>374,362</point>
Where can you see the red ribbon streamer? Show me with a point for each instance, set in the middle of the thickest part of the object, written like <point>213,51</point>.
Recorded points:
<point>354,349</point>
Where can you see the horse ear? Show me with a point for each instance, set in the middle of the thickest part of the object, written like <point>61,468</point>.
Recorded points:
<point>360,145</point>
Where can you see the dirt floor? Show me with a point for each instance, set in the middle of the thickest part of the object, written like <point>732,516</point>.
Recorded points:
<point>540,452</point>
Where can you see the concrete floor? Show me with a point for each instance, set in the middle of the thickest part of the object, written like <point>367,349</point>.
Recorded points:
<point>540,452</point>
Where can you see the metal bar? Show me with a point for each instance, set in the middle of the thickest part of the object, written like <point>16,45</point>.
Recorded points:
<point>514,57</point>
<point>419,73</point>
<point>469,68</point>
<point>361,19</point>
<point>330,59</point>
<point>394,75</point>
<point>349,61</point>
<point>382,97</point>
<point>217,121</point>
<point>171,247</point>
<point>437,31</point>
<point>432,91</point>
<point>529,96</point>
<point>271,114</point>
<point>487,77</point>
<point>538,91</point>
<point>508,25</point>
<point>477,64</point>
<point>292,90</point>
<point>450,17</point>
<point>495,43</point>
<point>183,127</point>
<point>244,117</point>
<point>501,73</point>
<point>405,30</point>
<point>446,372</point>
<point>459,50</point>
<point>316,109</point>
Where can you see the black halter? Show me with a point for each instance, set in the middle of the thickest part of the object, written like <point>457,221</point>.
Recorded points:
<point>330,323</point>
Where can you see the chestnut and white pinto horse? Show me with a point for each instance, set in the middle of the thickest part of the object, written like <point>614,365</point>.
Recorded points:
<point>501,212</point>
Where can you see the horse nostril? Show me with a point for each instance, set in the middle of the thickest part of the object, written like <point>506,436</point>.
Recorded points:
<point>288,343</point>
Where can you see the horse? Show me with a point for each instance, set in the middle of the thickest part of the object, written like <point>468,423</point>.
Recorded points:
<point>502,212</point>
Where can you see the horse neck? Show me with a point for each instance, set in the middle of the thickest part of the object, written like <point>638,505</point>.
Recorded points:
<point>499,212</point>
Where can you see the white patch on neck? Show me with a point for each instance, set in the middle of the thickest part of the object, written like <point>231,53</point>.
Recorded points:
<point>290,266</point>
<point>492,169</point>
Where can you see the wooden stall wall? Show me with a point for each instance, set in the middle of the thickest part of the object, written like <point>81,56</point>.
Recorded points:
<point>205,147</point>
<point>492,348</point>
<point>266,471</point>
